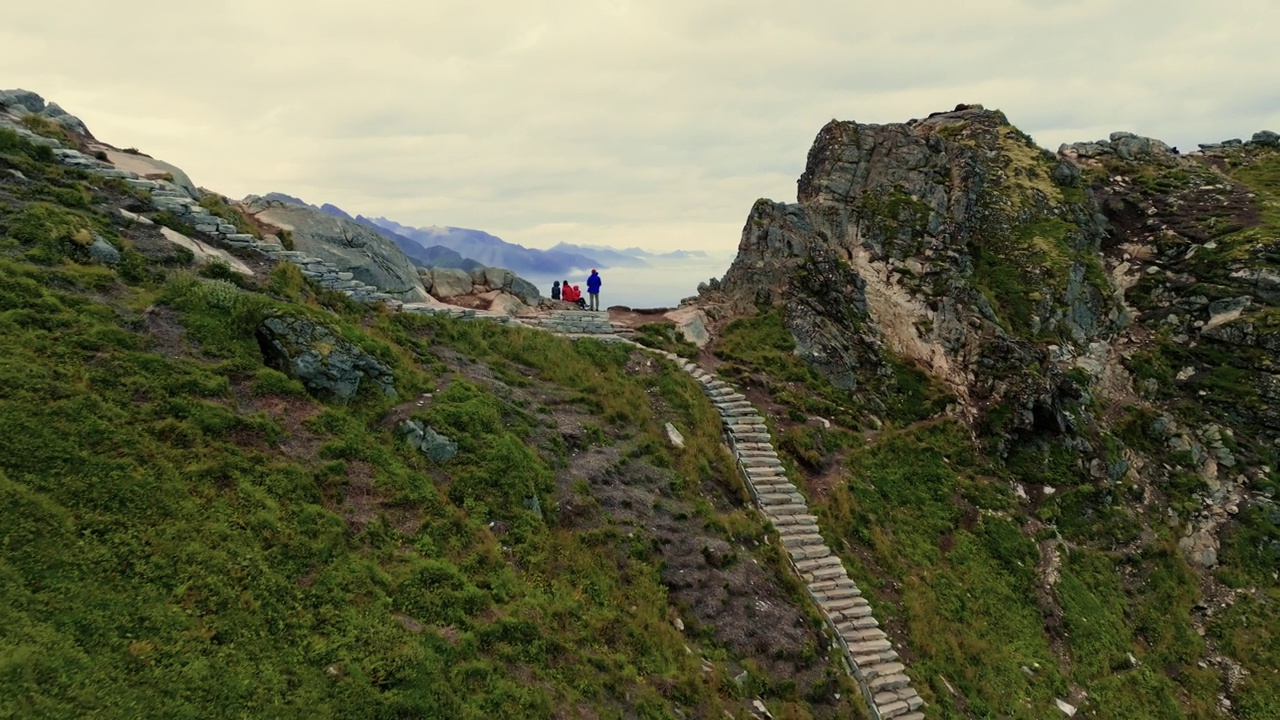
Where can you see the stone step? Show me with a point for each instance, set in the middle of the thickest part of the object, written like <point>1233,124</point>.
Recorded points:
<point>760,462</point>
<point>854,635</point>
<point>818,563</point>
<point>801,519</point>
<point>885,698</point>
<point>796,529</point>
<point>888,682</point>
<point>729,398</point>
<point>779,499</point>
<point>880,669</point>
<point>869,647</point>
<point>757,454</point>
<point>799,539</point>
<point>808,552</point>
<point>874,657</point>
<point>784,510</point>
<point>841,593</point>
<point>824,573</point>
<point>892,710</point>
<point>857,611</point>
<point>835,605</point>
<point>774,486</point>
<point>753,436</point>
<point>832,584</point>
<point>863,623</point>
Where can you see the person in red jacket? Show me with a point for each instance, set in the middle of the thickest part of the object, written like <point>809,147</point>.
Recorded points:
<point>577,298</point>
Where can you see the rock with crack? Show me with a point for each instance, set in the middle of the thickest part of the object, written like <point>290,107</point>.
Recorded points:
<point>327,364</point>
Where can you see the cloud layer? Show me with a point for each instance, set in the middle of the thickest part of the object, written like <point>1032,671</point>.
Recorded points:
<point>613,121</point>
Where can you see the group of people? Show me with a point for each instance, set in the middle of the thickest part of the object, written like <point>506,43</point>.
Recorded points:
<point>571,293</point>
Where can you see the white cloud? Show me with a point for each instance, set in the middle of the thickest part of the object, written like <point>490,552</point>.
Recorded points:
<point>613,121</point>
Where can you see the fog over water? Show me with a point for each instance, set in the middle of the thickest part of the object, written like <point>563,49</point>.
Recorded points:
<point>663,284</point>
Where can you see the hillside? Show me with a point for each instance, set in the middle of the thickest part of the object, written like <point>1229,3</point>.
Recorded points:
<point>235,494</point>
<point>1033,399</point>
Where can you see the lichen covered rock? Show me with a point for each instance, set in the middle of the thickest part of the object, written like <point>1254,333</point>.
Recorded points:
<point>327,364</point>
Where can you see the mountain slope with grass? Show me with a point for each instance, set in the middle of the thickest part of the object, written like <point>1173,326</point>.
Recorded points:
<point>1033,398</point>
<point>186,530</point>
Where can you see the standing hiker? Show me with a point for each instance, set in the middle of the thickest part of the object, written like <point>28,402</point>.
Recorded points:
<point>593,289</point>
<point>555,290</point>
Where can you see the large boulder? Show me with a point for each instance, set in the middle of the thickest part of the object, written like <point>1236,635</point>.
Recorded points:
<point>525,290</point>
<point>507,304</point>
<point>692,324</point>
<point>28,101</point>
<point>1265,138</point>
<point>327,364</point>
<point>450,282</point>
<point>498,278</point>
<point>345,244</point>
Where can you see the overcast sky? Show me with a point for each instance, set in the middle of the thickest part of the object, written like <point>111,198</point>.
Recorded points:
<point>618,122</point>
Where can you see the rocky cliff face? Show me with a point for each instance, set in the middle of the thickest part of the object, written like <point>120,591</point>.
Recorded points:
<point>954,240</point>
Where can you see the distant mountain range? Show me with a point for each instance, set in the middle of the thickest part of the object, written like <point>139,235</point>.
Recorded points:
<point>494,251</point>
<point>455,247</point>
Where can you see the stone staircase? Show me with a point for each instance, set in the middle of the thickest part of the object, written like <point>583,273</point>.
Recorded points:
<point>869,655</point>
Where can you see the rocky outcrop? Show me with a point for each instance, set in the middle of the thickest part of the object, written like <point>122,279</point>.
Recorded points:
<point>1121,144</point>
<point>21,103</point>
<point>326,363</point>
<point>952,241</point>
<point>348,246</point>
<point>500,289</point>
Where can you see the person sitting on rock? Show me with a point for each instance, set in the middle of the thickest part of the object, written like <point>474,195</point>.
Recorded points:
<point>577,298</point>
<point>555,290</point>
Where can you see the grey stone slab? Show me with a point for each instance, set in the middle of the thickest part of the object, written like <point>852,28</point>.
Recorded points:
<point>873,657</point>
<point>809,552</point>
<point>853,634</point>
<point>798,519</point>
<point>824,573</point>
<point>783,510</point>
<point>798,538</point>
<point>818,563</point>
<point>888,682</point>
<point>892,710</point>
<point>869,647</point>
<point>881,669</point>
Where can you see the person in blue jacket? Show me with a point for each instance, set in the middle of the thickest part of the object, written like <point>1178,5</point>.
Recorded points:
<point>593,289</point>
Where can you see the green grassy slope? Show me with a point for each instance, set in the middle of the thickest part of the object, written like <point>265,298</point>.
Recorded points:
<point>187,533</point>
